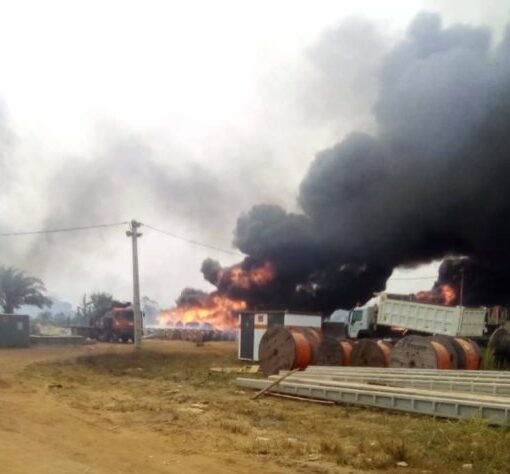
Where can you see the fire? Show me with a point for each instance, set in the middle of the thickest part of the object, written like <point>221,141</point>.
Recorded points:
<point>258,276</point>
<point>444,294</point>
<point>449,294</point>
<point>214,309</point>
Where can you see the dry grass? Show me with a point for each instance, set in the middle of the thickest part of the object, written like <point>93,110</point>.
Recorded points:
<point>175,393</point>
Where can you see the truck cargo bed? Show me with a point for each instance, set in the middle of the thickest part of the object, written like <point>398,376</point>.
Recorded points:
<point>456,321</point>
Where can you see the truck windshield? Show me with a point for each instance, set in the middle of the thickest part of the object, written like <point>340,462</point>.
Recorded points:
<point>124,316</point>
<point>357,315</point>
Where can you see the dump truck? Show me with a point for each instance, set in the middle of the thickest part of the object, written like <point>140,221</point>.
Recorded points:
<point>396,314</point>
<point>114,325</point>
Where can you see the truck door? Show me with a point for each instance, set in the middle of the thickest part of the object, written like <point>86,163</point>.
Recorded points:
<point>356,323</point>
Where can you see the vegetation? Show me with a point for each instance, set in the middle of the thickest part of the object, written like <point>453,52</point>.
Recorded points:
<point>18,289</point>
<point>169,389</point>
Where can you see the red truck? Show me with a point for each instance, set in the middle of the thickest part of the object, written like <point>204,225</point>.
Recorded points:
<point>115,325</point>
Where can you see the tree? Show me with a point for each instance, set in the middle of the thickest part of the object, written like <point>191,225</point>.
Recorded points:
<point>101,303</point>
<point>18,289</point>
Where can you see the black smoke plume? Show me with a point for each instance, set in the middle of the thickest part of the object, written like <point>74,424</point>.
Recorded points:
<point>483,282</point>
<point>433,182</point>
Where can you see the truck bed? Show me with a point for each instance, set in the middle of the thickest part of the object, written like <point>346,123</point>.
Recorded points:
<point>456,321</point>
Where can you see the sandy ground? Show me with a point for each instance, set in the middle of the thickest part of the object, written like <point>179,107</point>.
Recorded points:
<point>43,432</point>
<point>107,409</point>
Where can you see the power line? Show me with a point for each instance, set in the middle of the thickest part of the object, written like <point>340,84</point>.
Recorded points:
<point>64,229</point>
<point>194,242</point>
<point>116,224</point>
<point>170,234</point>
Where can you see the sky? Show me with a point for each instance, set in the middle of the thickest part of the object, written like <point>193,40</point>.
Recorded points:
<point>181,115</point>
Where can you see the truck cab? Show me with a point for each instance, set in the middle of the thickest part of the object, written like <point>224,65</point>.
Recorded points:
<point>118,324</point>
<point>362,322</point>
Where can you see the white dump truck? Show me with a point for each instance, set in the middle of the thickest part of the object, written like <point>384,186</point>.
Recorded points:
<point>397,313</point>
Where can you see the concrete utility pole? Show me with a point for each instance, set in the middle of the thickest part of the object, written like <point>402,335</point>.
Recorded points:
<point>461,287</point>
<point>134,234</point>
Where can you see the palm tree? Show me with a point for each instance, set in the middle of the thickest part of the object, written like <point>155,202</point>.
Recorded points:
<point>17,289</point>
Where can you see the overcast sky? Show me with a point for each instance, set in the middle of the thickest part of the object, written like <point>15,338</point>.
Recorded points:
<point>181,115</point>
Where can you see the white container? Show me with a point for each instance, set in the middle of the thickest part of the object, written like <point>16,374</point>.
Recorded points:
<point>253,325</point>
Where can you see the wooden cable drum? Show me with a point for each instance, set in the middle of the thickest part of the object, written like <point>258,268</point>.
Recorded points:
<point>347,347</point>
<point>499,345</point>
<point>330,352</point>
<point>370,353</point>
<point>314,336</point>
<point>472,353</point>
<point>455,350</point>
<point>283,348</point>
<point>420,352</point>
<point>334,351</point>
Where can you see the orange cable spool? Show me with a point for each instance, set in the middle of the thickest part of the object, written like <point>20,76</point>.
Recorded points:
<point>303,350</point>
<point>386,348</point>
<point>422,353</point>
<point>283,348</point>
<point>473,359</point>
<point>444,360</point>
<point>346,347</point>
<point>314,337</point>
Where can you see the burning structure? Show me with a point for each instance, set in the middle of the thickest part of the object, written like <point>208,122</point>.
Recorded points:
<point>431,183</point>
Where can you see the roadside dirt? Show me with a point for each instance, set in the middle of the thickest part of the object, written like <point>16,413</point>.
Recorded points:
<point>106,409</point>
<point>52,425</point>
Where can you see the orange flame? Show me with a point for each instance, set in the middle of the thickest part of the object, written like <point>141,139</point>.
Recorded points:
<point>445,294</point>
<point>258,276</point>
<point>448,293</point>
<point>220,311</point>
<point>214,309</point>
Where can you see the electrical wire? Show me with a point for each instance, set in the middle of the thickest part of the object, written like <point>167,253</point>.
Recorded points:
<point>116,224</point>
<point>170,234</point>
<point>65,229</point>
<point>194,242</point>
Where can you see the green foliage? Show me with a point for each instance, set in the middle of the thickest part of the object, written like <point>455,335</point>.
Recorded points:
<point>18,289</point>
<point>100,303</point>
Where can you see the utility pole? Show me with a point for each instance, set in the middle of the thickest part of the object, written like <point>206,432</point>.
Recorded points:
<point>461,287</point>
<point>134,234</point>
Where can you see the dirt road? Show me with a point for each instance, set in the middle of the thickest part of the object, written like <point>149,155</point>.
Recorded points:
<point>40,433</point>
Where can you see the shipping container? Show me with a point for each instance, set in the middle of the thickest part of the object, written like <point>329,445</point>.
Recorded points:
<point>14,330</point>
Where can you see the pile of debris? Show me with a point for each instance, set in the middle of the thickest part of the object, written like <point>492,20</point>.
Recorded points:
<point>188,333</point>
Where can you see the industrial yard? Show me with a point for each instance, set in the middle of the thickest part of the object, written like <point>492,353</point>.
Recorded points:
<point>255,237</point>
<point>105,408</point>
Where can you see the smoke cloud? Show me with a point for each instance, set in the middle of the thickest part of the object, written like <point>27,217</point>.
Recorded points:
<point>431,182</point>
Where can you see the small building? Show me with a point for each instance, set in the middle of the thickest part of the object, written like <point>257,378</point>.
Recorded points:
<point>14,330</point>
<point>253,325</point>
